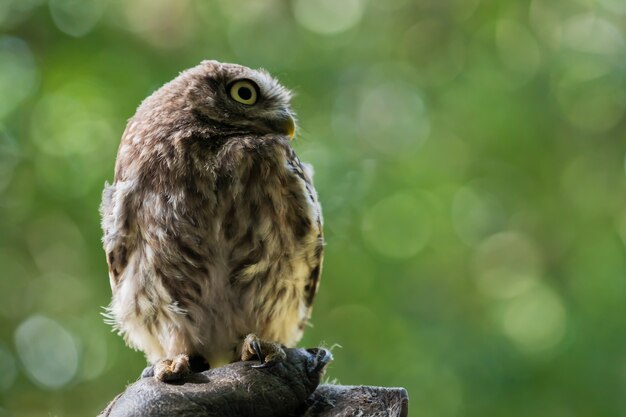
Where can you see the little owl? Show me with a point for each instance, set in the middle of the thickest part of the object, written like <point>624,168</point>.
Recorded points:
<point>212,228</point>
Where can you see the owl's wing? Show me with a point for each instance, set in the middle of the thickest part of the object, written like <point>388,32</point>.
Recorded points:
<point>118,225</point>
<point>314,277</point>
<point>316,254</point>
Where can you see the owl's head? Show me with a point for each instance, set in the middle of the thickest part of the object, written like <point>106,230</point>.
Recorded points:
<point>239,99</point>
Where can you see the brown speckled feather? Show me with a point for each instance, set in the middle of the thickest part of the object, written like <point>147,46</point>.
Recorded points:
<point>212,228</point>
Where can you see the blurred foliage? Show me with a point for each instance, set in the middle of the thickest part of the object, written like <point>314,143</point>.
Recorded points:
<point>469,156</point>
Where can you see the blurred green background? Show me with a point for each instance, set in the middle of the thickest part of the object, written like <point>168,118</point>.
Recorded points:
<point>469,157</point>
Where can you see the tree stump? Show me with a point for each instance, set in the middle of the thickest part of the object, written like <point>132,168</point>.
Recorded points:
<point>287,389</point>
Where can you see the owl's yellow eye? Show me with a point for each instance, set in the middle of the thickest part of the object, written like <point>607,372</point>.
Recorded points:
<point>244,91</point>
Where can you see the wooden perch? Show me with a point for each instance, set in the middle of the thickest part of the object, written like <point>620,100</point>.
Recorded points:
<point>288,389</point>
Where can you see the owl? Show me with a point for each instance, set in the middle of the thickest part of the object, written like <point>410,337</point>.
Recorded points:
<point>212,226</point>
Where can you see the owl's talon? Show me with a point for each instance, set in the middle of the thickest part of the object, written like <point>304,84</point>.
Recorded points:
<point>172,369</point>
<point>267,352</point>
<point>264,365</point>
<point>256,346</point>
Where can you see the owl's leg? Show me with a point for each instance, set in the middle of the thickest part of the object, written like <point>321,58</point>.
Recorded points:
<point>172,369</point>
<point>269,353</point>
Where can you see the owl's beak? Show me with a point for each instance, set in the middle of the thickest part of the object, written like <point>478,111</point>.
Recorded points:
<point>290,127</point>
<point>285,125</point>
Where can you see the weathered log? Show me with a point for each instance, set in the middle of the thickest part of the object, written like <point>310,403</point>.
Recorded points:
<point>289,389</point>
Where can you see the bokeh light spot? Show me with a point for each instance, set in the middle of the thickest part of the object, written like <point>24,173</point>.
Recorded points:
<point>241,12</point>
<point>92,345</point>
<point>518,49</point>
<point>13,12</point>
<point>382,107</point>
<point>392,117</point>
<point>592,106</point>
<point>280,51</point>
<point>76,17</point>
<point>615,6</point>
<point>78,176</point>
<point>506,264</point>
<point>46,292</point>
<point>47,351</point>
<point>581,70</point>
<point>63,124</point>
<point>475,214</point>
<point>398,226</point>
<point>590,33</point>
<point>94,356</point>
<point>18,74</point>
<point>545,19</point>
<point>159,21</point>
<point>438,54</point>
<point>328,17</point>
<point>535,321</point>
<point>56,244</point>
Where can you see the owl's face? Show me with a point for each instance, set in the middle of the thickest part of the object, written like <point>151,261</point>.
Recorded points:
<point>240,99</point>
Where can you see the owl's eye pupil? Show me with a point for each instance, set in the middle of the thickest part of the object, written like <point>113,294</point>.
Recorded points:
<point>245,93</point>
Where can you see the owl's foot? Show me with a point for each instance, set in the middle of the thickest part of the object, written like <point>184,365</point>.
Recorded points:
<point>172,369</point>
<point>269,353</point>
